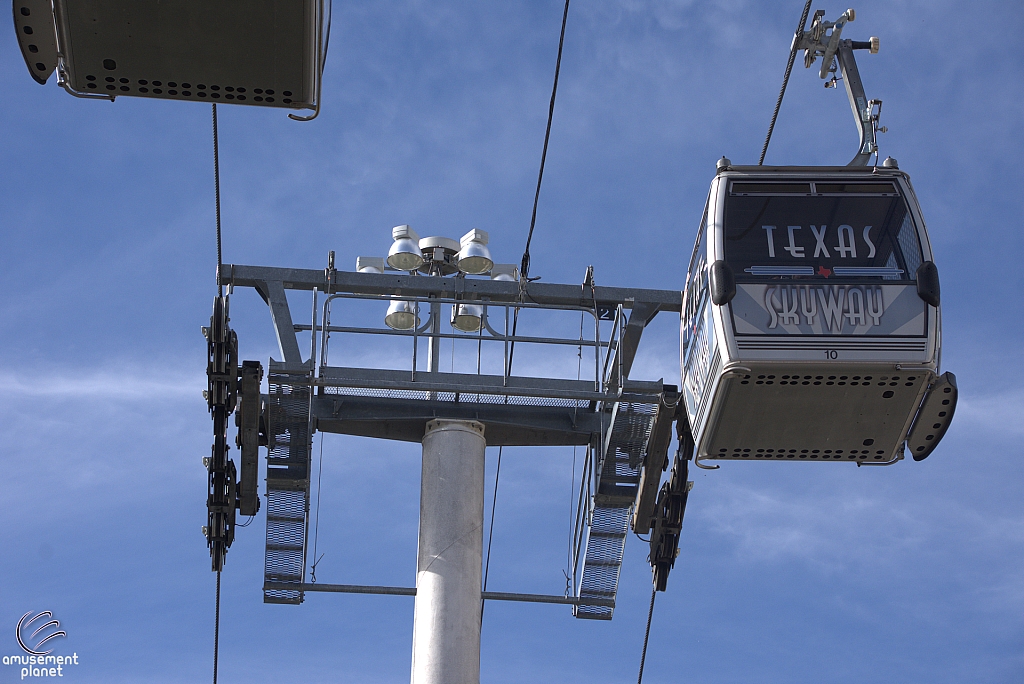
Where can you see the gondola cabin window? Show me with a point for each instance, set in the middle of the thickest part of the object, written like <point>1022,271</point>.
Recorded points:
<point>696,292</point>
<point>697,333</point>
<point>823,258</point>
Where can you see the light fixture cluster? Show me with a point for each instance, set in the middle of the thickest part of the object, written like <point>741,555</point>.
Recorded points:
<point>437,256</point>
<point>469,255</point>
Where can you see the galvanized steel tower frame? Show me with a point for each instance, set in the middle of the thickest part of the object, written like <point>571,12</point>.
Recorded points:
<point>624,423</point>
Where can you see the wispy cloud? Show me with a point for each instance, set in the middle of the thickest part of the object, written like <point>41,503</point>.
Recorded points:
<point>836,531</point>
<point>768,525</point>
<point>993,413</point>
<point>111,385</point>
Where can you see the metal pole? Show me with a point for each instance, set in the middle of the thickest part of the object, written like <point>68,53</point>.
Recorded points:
<point>434,342</point>
<point>446,624</point>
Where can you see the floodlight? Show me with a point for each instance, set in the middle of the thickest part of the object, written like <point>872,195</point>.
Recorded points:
<point>401,315</point>
<point>369,264</point>
<point>405,254</point>
<point>505,272</point>
<point>467,317</point>
<point>474,257</point>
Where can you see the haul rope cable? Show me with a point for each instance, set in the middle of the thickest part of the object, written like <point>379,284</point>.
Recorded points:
<point>216,628</point>
<point>524,272</point>
<point>220,292</point>
<point>524,268</point>
<point>544,153</point>
<point>647,635</point>
<point>572,482</point>
<point>216,186</point>
<point>785,81</point>
<point>323,361</point>
<point>316,525</point>
<point>490,535</point>
<point>585,471</point>
<point>764,150</point>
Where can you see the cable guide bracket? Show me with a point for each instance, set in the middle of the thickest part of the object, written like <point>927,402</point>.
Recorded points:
<point>229,387</point>
<point>667,521</point>
<point>824,39</point>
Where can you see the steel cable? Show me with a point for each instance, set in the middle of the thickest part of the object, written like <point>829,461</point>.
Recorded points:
<point>525,266</point>
<point>220,292</point>
<point>216,187</point>
<point>216,631</point>
<point>572,483</point>
<point>524,272</point>
<point>490,534</point>
<point>647,635</point>
<point>785,81</point>
<point>316,526</point>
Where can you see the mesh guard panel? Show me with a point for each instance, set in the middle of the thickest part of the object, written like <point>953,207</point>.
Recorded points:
<point>617,487</point>
<point>288,459</point>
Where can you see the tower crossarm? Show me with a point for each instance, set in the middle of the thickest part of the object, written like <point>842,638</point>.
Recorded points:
<point>403,284</point>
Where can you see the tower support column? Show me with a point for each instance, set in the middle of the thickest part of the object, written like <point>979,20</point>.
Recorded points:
<point>446,625</point>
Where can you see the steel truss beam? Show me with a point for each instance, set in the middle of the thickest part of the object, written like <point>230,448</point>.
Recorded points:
<point>501,292</point>
<point>411,591</point>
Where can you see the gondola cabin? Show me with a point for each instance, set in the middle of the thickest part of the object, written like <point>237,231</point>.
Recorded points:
<point>811,327</point>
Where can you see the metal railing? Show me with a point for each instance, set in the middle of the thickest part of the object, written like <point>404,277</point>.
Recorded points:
<point>430,329</point>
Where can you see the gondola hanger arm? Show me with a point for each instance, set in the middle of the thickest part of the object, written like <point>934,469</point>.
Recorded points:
<point>824,39</point>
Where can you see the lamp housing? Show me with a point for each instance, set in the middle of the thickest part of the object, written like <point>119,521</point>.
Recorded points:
<point>405,253</point>
<point>474,257</point>
<point>366,264</point>
<point>505,272</point>
<point>401,315</point>
<point>467,317</point>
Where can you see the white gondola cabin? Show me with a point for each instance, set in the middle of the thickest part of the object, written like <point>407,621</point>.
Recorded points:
<point>811,327</point>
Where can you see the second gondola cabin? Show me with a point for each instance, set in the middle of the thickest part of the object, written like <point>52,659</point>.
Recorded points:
<point>811,327</point>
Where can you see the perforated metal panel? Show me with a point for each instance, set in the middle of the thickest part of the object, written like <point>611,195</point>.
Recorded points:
<point>254,52</point>
<point>814,414</point>
<point>33,22</point>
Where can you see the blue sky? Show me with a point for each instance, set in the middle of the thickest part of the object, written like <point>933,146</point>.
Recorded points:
<point>434,115</point>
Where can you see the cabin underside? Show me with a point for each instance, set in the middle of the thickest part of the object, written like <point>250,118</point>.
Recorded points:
<point>858,413</point>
